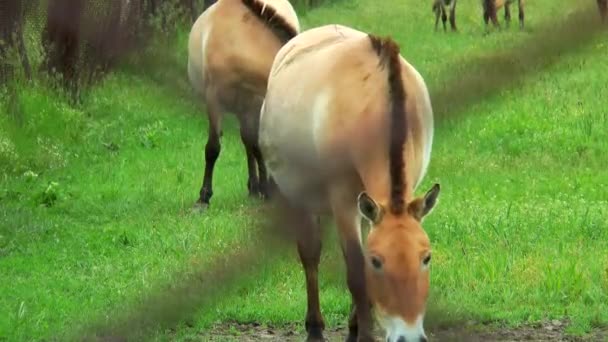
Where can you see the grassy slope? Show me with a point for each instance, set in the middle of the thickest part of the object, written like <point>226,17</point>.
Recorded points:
<point>520,232</point>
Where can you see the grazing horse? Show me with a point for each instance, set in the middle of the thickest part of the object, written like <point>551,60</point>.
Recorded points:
<point>230,51</point>
<point>346,130</point>
<point>491,7</point>
<point>439,8</point>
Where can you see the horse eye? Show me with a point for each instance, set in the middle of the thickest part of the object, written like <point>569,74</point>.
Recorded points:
<point>376,262</point>
<point>427,260</point>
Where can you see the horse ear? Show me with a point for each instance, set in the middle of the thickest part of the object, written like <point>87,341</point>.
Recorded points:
<point>422,206</point>
<point>369,208</point>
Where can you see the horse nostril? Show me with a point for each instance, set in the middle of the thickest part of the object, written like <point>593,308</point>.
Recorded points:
<point>423,339</point>
<point>401,339</point>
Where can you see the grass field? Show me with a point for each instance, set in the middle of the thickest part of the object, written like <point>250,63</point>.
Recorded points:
<point>95,199</point>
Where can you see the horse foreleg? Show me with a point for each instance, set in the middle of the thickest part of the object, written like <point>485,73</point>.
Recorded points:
<point>309,249</point>
<point>347,221</point>
<point>437,15</point>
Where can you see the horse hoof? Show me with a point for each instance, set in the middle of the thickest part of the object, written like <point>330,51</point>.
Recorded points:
<point>263,195</point>
<point>315,338</point>
<point>200,207</point>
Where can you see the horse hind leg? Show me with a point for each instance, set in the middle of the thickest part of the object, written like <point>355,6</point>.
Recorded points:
<point>489,13</point>
<point>263,188</point>
<point>249,139</point>
<point>444,18</point>
<point>486,13</point>
<point>212,150</point>
<point>263,180</point>
<point>603,7</point>
<point>507,14</point>
<point>520,5</point>
<point>494,17</point>
<point>453,16</point>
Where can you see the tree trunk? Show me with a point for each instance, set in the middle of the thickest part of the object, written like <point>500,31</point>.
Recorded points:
<point>61,38</point>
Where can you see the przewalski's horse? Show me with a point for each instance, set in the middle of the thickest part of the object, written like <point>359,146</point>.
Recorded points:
<point>346,129</point>
<point>230,51</point>
<point>439,8</point>
<point>491,7</point>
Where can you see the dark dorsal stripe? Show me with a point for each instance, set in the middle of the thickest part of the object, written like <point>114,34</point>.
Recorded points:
<point>281,28</point>
<point>388,51</point>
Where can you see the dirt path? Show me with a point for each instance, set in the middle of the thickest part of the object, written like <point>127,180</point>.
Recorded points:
<point>549,331</point>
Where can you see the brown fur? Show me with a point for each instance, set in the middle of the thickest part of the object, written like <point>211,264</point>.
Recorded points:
<point>283,29</point>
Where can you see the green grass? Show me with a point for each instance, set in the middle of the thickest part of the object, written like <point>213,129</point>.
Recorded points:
<point>520,233</point>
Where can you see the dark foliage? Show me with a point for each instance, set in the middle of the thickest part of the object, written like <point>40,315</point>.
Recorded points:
<point>11,37</point>
<point>83,39</point>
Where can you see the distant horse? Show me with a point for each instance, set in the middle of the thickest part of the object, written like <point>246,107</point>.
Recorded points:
<point>346,129</point>
<point>491,7</point>
<point>230,51</point>
<point>439,8</point>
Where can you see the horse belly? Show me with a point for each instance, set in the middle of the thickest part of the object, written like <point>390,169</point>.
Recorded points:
<point>300,189</point>
<point>291,157</point>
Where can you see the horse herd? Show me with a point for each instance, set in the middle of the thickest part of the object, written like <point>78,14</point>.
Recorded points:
<point>490,9</point>
<point>334,122</point>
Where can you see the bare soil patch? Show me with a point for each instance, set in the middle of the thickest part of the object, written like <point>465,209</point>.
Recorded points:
<point>553,331</point>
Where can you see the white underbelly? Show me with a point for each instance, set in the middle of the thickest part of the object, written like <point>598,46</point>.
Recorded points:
<point>291,156</point>
<point>301,189</point>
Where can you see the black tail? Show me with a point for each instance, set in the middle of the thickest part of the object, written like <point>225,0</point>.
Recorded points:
<point>281,28</point>
<point>388,51</point>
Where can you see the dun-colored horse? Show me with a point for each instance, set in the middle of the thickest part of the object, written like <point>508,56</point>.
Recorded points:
<point>346,129</point>
<point>439,8</point>
<point>491,7</point>
<point>230,51</point>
